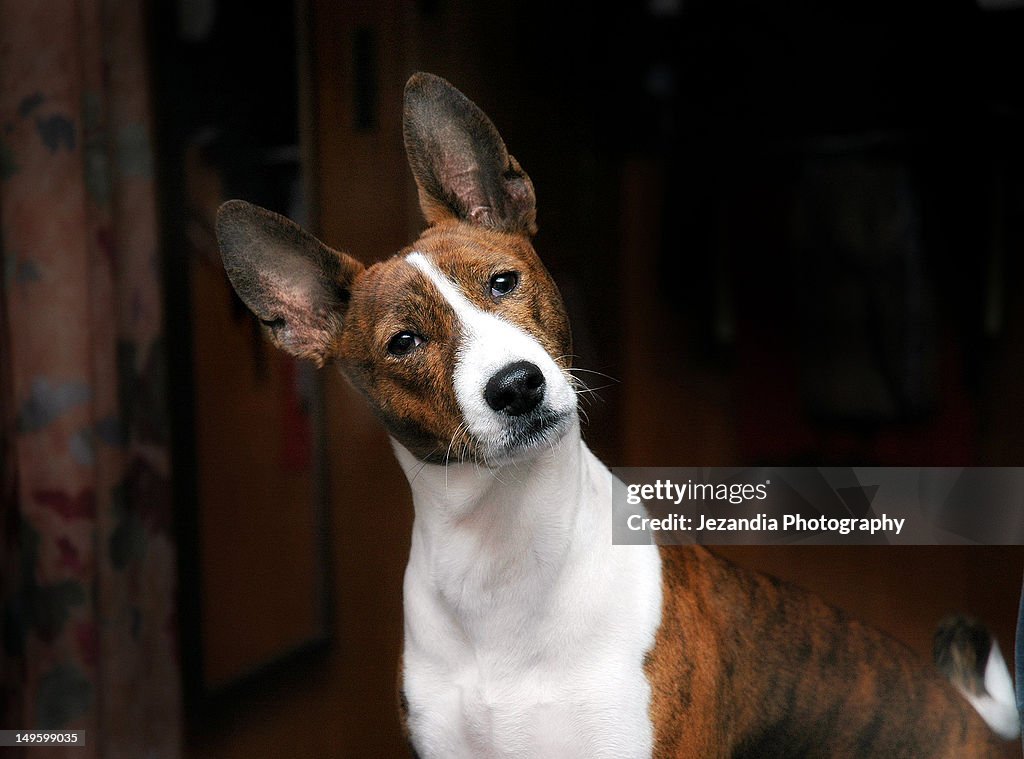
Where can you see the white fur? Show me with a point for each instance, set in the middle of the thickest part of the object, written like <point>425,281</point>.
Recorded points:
<point>525,627</point>
<point>997,706</point>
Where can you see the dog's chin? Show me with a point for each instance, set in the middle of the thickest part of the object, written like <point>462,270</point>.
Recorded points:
<point>527,435</point>
<point>520,438</point>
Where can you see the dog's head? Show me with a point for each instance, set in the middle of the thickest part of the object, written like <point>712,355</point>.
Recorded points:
<point>460,342</point>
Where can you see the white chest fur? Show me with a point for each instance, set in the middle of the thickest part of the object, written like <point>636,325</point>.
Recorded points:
<point>525,628</point>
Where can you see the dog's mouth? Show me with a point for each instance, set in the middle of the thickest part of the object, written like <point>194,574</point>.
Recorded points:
<point>523,434</point>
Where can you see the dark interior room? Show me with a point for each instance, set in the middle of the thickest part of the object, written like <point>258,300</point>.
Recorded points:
<point>785,236</point>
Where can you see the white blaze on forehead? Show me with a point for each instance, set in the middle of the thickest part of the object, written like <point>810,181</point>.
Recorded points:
<point>454,297</point>
<point>490,343</point>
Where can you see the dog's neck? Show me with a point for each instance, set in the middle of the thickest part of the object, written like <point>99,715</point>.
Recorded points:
<point>481,534</point>
<point>537,495</point>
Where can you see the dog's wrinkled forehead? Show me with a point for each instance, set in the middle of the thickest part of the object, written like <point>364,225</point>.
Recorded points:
<point>400,288</point>
<point>467,258</point>
<point>393,295</point>
<point>414,289</point>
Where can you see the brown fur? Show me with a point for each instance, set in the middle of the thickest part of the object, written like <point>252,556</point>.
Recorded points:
<point>470,256</point>
<point>403,390</point>
<point>413,394</point>
<point>747,666</point>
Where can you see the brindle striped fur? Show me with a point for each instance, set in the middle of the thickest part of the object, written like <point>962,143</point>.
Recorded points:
<point>745,665</point>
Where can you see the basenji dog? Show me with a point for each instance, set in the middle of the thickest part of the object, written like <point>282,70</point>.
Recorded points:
<point>528,633</point>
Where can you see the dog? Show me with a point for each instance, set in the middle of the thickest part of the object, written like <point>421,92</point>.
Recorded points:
<point>527,632</point>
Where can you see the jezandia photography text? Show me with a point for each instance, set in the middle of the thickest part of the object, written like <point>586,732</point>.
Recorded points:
<point>764,523</point>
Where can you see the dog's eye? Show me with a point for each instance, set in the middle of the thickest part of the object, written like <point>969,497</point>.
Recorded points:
<point>404,342</point>
<point>504,283</point>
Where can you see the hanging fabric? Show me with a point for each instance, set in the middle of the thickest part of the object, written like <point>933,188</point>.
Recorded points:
<point>88,557</point>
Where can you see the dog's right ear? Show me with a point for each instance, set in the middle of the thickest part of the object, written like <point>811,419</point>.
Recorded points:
<point>295,285</point>
<point>460,163</point>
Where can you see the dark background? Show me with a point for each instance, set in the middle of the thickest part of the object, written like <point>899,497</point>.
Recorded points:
<point>785,236</point>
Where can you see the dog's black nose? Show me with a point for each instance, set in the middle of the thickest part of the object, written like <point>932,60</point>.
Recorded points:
<point>516,389</point>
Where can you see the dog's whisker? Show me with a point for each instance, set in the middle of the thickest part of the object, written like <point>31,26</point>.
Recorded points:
<point>575,369</point>
<point>589,396</point>
<point>462,430</point>
<point>591,390</point>
<point>419,470</point>
<point>455,436</point>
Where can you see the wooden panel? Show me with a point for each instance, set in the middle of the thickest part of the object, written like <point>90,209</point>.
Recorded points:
<point>367,208</point>
<point>248,491</point>
<point>257,537</point>
<point>364,187</point>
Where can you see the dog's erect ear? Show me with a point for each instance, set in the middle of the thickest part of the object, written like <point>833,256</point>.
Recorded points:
<point>460,163</point>
<point>297,286</point>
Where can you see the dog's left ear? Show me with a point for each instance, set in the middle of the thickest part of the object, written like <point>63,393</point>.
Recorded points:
<point>460,163</point>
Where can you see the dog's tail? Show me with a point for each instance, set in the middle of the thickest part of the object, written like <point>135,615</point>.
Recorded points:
<point>969,656</point>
